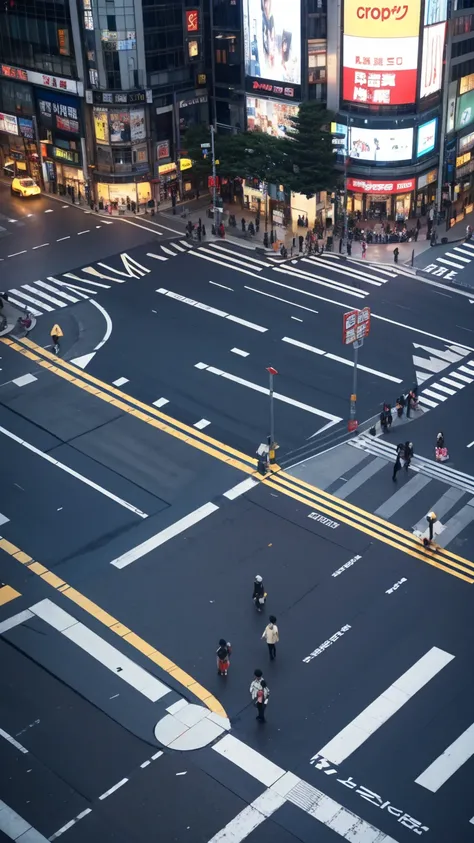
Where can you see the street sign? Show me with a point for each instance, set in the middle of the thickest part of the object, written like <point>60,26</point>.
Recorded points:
<point>205,146</point>
<point>355,325</point>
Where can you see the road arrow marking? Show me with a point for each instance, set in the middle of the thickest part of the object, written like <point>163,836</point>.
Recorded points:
<point>83,361</point>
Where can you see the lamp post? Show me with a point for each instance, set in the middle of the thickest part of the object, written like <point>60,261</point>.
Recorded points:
<point>271,439</point>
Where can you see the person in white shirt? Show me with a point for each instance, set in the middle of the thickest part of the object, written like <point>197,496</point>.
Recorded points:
<point>270,633</point>
<point>259,692</point>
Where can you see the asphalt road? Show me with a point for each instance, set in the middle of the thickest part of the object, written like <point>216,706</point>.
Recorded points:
<point>91,477</point>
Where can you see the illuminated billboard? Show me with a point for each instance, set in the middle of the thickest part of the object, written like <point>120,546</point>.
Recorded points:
<point>436,11</point>
<point>464,110</point>
<point>432,59</point>
<point>269,116</point>
<point>426,138</point>
<point>380,52</point>
<point>381,144</point>
<point>272,38</point>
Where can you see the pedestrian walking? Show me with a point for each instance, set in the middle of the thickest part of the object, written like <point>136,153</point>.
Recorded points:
<point>259,594</point>
<point>408,455</point>
<point>55,335</point>
<point>270,633</point>
<point>441,451</point>
<point>349,248</point>
<point>364,248</point>
<point>399,405</point>
<point>259,691</point>
<point>398,464</point>
<point>223,657</point>
<point>396,253</point>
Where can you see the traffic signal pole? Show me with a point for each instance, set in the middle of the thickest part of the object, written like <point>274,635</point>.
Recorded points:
<point>214,178</point>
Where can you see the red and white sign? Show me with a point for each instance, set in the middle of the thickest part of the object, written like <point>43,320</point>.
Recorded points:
<point>364,186</point>
<point>382,71</point>
<point>355,325</point>
<point>192,20</point>
<point>162,150</point>
<point>43,79</point>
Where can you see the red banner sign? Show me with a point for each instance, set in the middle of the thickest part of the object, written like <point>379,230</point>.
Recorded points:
<point>355,325</point>
<point>364,186</point>
<point>192,20</point>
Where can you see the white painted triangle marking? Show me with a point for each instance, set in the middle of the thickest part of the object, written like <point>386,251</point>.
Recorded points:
<point>421,377</point>
<point>83,361</point>
<point>450,356</point>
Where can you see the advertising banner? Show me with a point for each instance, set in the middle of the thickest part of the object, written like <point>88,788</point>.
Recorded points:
<point>26,127</point>
<point>8,123</point>
<point>381,144</point>
<point>432,59</point>
<point>137,124</point>
<point>269,116</point>
<point>436,11</point>
<point>426,139</point>
<point>381,19</point>
<point>119,126</point>
<point>388,186</point>
<point>162,150</point>
<point>464,110</point>
<point>101,125</point>
<point>43,79</point>
<point>451,107</point>
<point>58,111</point>
<point>382,71</point>
<point>272,38</point>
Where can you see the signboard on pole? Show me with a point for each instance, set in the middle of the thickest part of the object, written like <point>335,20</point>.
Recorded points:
<point>355,325</point>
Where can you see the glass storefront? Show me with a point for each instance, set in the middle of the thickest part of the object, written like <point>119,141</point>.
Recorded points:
<point>120,195</point>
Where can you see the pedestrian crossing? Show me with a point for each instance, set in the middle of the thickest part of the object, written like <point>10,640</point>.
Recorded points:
<point>450,263</point>
<point>448,385</point>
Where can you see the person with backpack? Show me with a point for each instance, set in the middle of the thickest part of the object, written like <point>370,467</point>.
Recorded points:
<point>223,657</point>
<point>260,692</point>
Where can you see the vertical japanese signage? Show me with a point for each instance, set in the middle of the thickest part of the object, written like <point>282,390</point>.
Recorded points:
<point>355,325</point>
<point>380,51</point>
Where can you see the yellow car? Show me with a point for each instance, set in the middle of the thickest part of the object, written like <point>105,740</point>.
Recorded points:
<point>25,187</point>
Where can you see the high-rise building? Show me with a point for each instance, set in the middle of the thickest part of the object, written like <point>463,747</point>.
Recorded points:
<point>96,94</point>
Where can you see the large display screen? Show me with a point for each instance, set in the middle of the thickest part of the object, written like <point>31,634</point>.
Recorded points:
<point>272,36</point>
<point>380,52</point>
<point>381,144</point>
<point>432,59</point>
<point>269,116</point>
<point>436,11</point>
<point>426,139</point>
<point>464,110</point>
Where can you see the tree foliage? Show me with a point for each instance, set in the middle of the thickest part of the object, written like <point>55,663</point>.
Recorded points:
<point>310,151</point>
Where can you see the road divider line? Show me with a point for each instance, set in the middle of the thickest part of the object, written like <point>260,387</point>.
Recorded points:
<point>164,536</point>
<point>108,620</point>
<point>453,757</point>
<point>73,473</point>
<point>339,286</point>
<point>265,391</point>
<point>221,248</point>
<point>197,254</point>
<point>113,789</point>
<point>285,301</point>
<point>359,730</point>
<point>13,742</point>
<point>241,488</point>
<point>127,403</point>
<point>337,359</point>
<point>213,310</point>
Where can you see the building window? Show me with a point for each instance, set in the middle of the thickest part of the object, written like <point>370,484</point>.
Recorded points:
<point>317,61</point>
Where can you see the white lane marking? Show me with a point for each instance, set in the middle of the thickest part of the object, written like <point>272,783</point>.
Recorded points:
<point>58,292</point>
<point>185,243</point>
<point>108,325</point>
<point>353,273</point>
<point>337,359</point>
<point>198,254</point>
<point>79,816</point>
<point>304,292</point>
<point>46,296</point>
<point>15,620</point>
<point>444,389</point>
<point>120,381</point>
<point>14,255</point>
<point>144,227</point>
<point>160,402</point>
<point>460,377</point>
<point>32,299</point>
<point>13,742</point>
<point>248,759</point>
<point>242,488</point>
<point>158,225</point>
<point>223,286</point>
<point>73,473</point>
<point>285,301</point>
<point>213,310</point>
<point>453,383</point>
<point>83,361</point>
<point>237,257</point>
<point>103,652</point>
<point>240,352</point>
<point>41,246</point>
<point>169,251</point>
<point>450,263</point>
<point>22,305</point>
<point>465,369</point>
<point>265,391</point>
<point>338,286</point>
<point>145,764</point>
<point>418,330</point>
<point>113,789</point>
<point>24,380</point>
<point>435,395</point>
<point>296,318</point>
<point>49,211</point>
<point>423,400</point>
<point>458,257</point>
<point>249,818</point>
<point>12,220</point>
<point>463,251</point>
<point>87,230</point>
<point>449,762</point>
<point>12,824</point>
<point>107,222</point>
<point>178,247</point>
<point>470,444</point>
<point>432,283</point>
<point>385,706</point>
<point>157,257</point>
<point>164,536</point>
<point>201,424</point>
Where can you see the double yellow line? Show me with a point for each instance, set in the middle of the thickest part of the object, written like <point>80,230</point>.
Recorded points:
<point>303,492</point>
<point>372,525</point>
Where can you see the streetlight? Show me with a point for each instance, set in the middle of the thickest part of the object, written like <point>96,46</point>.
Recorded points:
<point>271,439</point>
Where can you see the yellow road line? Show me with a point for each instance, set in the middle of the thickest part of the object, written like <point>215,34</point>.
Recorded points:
<point>393,541</point>
<point>7,594</point>
<point>191,431</point>
<point>158,658</point>
<point>319,494</point>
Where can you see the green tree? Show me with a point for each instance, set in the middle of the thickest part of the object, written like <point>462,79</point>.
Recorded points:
<point>310,153</point>
<point>252,155</point>
<point>193,138</point>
